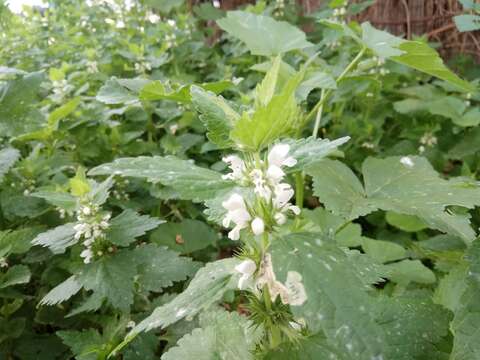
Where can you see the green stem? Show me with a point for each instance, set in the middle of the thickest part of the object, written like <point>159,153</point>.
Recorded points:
<point>299,189</point>
<point>319,114</point>
<point>321,102</point>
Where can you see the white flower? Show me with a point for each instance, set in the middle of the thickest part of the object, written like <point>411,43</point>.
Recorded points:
<point>261,186</point>
<point>280,218</point>
<point>275,173</point>
<point>236,165</point>
<point>258,226</point>
<point>87,255</point>
<point>278,156</point>
<point>405,160</point>
<point>237,213</point>
<point>86,210</point>
<point>283,193</point>
<point>247,269</point>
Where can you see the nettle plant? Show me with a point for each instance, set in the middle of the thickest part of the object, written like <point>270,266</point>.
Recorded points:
<point>304,283</point>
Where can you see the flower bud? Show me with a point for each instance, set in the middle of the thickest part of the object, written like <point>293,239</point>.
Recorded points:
<point>258,226</point>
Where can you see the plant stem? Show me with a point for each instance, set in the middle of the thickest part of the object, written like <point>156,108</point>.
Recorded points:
<point>299,188</point>
<point>319,114</point>
<point>318,108</point>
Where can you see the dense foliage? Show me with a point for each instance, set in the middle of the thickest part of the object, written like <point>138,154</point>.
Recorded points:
<point>185,183</point>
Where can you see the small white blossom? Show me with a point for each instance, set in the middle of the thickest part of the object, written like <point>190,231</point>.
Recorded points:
<point>278,156</point>
<point>258,226</point>
<point>237,213</point>
<point>236,165</point>
<point>247,269</point>
<point>405,160</point>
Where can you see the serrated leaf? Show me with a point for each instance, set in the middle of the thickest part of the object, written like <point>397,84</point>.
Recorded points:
<point>61,292</point>
<point>160,267</point>
<point>86,345</point>
<point>414,54</point>
<point>17,274</point>
<point>407,185</point>
<point>113,92</point>
<point>316,80</point>
<point>18,98</point>
<point>18,241</point>
<point>226,336</point>
<point>276,37</point>
<point>310,150</point>
<point>185,237</point>
<point>344,313</point>
<point>111,277</point>
<point>205,289</point>
<point>406,271</point>
<point>8,157</point>
<point>466,323</point>
<point>63,200</point>
<point>266,89</point>
<point>57,239</point>
<point>217,116</point>
<point>189,181</point>
<point>129,225</point>
<point>312,348</point>
<point>62,112</point>
<point>450,286</point>
<point>268,123</point>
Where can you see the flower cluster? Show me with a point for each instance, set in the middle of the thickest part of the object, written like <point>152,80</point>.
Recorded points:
<point>427,140</point>
<point>279,7</point>
<point>292,292</point>
<point>339,14</point>
<point>273,196</point>
<point>91,227</point>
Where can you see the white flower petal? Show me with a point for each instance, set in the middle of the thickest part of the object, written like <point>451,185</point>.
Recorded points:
<point>277,154</point>
<point>258,226</point>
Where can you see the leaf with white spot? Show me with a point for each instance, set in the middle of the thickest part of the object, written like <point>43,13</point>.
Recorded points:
<point>405,185</point>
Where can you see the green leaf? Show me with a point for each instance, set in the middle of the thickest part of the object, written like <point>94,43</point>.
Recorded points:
<point>404,222</point>
<point>111,277</point>
<point>316,80</point>
<point>226,336</point>
<point>414,54</point>
<point>189,181</point>
<point>383,251</point>
<point>312,348</point>
<point>63,200</point>
<point>86,345</point>
<point>61,292</point>
<point>466,323</point>
<point>18,241</point>
<point>405,185</point>
<point>467,22</point>
<point>217,116</point>
<point>57,239</point>
<point>268,123</point>
<point>469,118</point>
<point>262,34</point>
<point>18,98</point>
<point>339,189</point>
<point>160,267</point>
<point>8,157</point>
<point>127,226</point>
<point>309,151</point>
<point>114,92</point>
<point>157,90</point>
<point>450,287</point>
<point>406,271</point>
<point>344,313</point>
<point>185,237</point>
<point>62,112</point>
<point>266,89</point>
<point>17,274</point>
<point>205,289</point>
